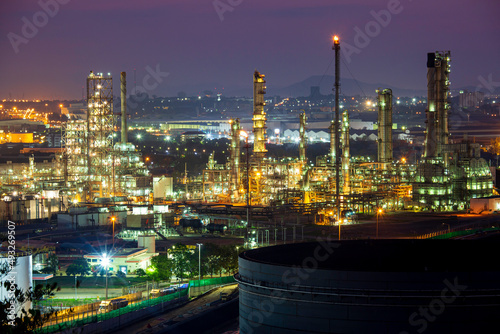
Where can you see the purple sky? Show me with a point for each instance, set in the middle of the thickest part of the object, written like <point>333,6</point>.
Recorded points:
<point>288,40</point>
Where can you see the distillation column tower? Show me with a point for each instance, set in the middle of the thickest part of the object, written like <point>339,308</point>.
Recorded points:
<point>438,70</point>
<point>385,155</point>
<point>346,155</point>
<point>303,138</point>
<point>235,157</point>
<point>123,90</point>
<point>100,124</point>
<point>259,115</point>
<point>336,137</point>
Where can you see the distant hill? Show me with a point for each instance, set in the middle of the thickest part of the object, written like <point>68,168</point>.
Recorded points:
<point>347,87</point>
<point>303,88</point>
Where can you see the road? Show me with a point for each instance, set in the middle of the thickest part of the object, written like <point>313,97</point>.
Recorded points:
<point>194,307</point>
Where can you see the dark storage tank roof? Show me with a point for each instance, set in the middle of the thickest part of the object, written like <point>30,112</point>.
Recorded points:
<point>402,255</point>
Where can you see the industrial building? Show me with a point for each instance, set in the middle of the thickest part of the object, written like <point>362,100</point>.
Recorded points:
<point>449,175</point>
<point>97,165</point>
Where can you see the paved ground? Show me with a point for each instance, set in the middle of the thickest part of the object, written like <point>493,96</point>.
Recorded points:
<point>88,293</point>
<point>196,306</point>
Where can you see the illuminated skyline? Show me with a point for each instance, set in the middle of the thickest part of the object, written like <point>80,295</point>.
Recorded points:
<point>289,41</point>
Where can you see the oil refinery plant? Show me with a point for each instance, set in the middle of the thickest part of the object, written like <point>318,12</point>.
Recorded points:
<point>94,167</point>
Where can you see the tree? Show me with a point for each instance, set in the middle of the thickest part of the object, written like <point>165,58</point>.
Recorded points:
<point>78,267</point>
<point>161,268</point>
<point>140,272</point>
<point>52,264</point>
<point>213,258</point>
<point>230,255</point>
<point>181,261</point>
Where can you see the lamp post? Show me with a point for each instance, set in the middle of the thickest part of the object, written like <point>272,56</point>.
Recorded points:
<point>199,262</point>
<point>449,228</point>
<point>105,263</point>
<point>113,219</point>
<point>379,211</point>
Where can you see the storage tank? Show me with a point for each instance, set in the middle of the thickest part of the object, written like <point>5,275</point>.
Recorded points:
<point>371,286</point>
<point>21,275</point>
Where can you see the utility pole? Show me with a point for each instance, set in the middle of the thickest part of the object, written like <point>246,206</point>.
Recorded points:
<point>199,263</point>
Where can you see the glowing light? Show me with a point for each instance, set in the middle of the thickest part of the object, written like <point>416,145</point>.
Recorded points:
<point>105,261</point>
<point>336,39</point>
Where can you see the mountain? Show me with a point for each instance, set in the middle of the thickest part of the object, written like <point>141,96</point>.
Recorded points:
<point>347,87</point>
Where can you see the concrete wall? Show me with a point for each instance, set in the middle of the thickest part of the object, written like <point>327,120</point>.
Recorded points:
<point>478,205</point>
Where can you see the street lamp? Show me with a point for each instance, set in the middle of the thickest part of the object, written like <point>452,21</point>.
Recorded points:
<point>199,262</point>
<point>379,211</point>
<point>105,263</point>
<point>113,219</point>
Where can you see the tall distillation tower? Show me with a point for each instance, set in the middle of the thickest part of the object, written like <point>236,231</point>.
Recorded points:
<point>100,124</point>
<point>303,138</point>
<point>336,137</point>
<point>384,100</point>
<point>259,115</point>
<point>346,154</point>
<point>235,158</point>
<point>438,71</point>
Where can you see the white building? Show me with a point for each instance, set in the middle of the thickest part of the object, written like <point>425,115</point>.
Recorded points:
<point>127,260</point>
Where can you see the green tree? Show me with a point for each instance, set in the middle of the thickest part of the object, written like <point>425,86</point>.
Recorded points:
<point>213,258</point>
<point>140,272</point>
<point>161,268</point>
<point>181,261</point>
<point>78,267</point>
<point>230,258</point>
<point>52,264</point>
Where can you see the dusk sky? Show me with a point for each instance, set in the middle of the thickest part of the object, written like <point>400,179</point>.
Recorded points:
<point>287,40</point>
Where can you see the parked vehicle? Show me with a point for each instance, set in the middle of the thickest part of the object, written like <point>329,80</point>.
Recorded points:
<point>162,292</point>
<point>113,304</point>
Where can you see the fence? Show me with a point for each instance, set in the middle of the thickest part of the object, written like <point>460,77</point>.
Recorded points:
<point>455,234</point>
<point>68,321</point>
<point>198,287</point>
<point>447,234</point>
